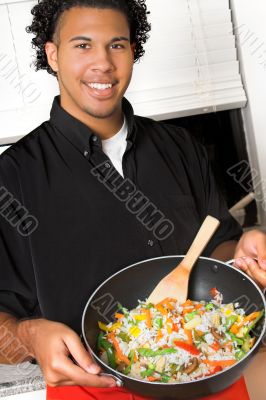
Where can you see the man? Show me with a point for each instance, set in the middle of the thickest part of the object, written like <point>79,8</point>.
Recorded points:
<point>84,230</point>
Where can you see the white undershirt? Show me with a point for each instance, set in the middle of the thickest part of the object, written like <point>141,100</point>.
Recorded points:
<point>115,147</point>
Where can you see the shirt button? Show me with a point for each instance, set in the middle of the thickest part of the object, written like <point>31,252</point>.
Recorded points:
<point>86,153</point>
<point>94,138</point>
<point>150,243</point>
<point>107,165</point>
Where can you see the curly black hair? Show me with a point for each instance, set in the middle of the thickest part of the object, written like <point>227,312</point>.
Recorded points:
<point>46,15</point>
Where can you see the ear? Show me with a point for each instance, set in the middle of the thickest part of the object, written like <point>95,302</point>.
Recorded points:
<point>133,46</point>
<point>51,53</point>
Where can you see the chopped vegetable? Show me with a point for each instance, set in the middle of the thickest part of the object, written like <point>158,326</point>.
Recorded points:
<point>214,292</point>
<point>105,345</point>
<point>158,322</point>
<point>124,336</point>
<point>153,353</point>
<point>188,347</point>
<point>160,308</point>
<point>229,321</point>
<point>209,307</point>
<point>118,315</point>
<point>172,342</point>
<point>190,316</point>
<point>193,323</point>
<point>148,317</point>
<point>219,363</point>
<point>118,350</point>
<point>135,331</point>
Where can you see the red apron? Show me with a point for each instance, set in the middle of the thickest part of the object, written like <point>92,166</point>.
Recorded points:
<point>237,391</point>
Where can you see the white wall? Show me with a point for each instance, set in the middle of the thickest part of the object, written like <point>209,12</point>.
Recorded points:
<point>250,27</point>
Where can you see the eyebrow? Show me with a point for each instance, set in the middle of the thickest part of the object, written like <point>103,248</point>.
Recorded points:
<point>87,39</point>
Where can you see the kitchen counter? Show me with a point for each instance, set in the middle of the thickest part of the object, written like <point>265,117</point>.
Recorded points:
<point>27,378</point>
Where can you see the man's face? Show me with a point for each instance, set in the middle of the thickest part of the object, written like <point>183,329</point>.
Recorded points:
<point>93,60</point>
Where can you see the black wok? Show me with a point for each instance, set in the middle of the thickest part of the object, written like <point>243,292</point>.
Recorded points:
<point>137,281</point>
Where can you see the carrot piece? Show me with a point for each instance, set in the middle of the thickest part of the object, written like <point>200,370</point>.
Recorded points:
<point>189,336</point>
<point>148,317</point>
<point>160,308</point>
<point>152,379</point>
<point>252,316</point>
<point>159,335</point>
<point>187,303</point>
<point>167,303</point>
<point>135,358</point>
<point>188,310</point>
<point>219,363</point>
<point>198,306</point>
<point>119,352</point>
<point>215,346</point>
<point>118,315</point>
<point>236,326</point>
<point>167,300</point>
<point>175,328</point>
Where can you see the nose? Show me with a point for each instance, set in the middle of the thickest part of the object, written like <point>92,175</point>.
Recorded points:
<point>102,61</point>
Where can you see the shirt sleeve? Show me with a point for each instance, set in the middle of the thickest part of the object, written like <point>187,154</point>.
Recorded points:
<point>207,197</point>
<point>17,283</point>
<point>211,202</point>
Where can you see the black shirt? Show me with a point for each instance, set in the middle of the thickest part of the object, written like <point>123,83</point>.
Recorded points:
<point>68,220</point>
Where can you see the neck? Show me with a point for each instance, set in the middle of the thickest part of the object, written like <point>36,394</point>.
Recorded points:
<point>105,128</point>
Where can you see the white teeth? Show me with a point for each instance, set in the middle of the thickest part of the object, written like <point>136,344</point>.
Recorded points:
<point>100,86</point>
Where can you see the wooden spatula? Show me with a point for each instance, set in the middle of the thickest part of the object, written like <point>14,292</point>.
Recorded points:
<point>175,284</point>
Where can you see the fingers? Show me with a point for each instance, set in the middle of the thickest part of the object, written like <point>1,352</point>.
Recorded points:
<point>62,371</point>
<point>261,250</point>
<point>75,374</point>
<point>81,355</point>
<point>251,268</point>
<point>253,244</point>
<point>54,344</point>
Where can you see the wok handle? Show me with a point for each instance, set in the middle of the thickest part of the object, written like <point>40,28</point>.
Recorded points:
<point>119,382</point>
<point>230,262</point>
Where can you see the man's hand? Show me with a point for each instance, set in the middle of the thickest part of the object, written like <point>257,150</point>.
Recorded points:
<point>51,344</point>
<point>251,246</point>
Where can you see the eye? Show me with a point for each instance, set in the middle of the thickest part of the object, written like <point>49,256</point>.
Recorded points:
<point>117,46</point>
<point>83,46</point>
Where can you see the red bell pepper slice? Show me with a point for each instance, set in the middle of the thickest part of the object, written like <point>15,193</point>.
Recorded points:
<point>188,347</point>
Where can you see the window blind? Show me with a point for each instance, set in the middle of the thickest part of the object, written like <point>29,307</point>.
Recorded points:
<point>25,95</point>
<point>190,66</point>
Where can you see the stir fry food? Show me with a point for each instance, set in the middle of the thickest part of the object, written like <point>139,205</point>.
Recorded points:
<point>171,342</point>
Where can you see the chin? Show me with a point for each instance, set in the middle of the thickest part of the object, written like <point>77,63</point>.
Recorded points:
<point>100,114</point>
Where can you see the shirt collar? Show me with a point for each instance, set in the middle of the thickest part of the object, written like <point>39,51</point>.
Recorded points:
<point>80,135</point>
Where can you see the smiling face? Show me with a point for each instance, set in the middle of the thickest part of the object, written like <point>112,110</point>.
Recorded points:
<point>94,61</point>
